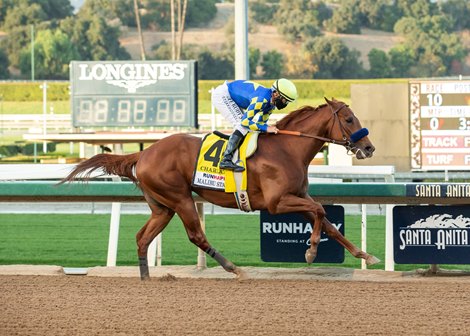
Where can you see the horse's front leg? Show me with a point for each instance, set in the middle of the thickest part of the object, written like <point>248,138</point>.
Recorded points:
<point>317,219</point>
<point>313,211</point>
<point>333,232</point>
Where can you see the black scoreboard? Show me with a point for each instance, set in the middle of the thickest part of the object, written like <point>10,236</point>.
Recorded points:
<point>440,125</point>
<point>134,93</point>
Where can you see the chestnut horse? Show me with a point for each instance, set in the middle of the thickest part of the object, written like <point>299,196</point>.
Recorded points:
<point>277,175</point>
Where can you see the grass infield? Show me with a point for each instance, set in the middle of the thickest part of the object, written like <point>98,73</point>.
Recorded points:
<point>82,240</point>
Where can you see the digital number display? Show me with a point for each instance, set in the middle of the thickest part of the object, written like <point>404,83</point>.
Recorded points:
<point>134,93</point>
<point>116,111</point>
<point>440,125</point>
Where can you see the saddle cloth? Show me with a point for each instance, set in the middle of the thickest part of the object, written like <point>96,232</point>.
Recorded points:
<point>207,173</point>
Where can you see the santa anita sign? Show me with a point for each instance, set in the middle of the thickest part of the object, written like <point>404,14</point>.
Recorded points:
<point>431,234</point>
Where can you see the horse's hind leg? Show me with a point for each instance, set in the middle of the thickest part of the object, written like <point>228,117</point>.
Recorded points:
<point>188,214</point>
<point>333,232</point>
<point>159,219</point>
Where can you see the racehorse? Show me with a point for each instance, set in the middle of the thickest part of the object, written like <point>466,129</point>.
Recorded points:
<point>277,175</point>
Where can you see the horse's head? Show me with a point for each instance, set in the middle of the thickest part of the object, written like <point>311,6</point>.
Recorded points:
<point>347,127</point>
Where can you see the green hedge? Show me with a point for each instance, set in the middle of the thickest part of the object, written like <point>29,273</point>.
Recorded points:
<point>32,91</point>
<point>308,88</point>
<point>27,149</point>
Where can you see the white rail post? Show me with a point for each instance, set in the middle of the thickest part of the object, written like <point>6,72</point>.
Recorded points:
<point>44,114</point>
<point>159,249</point>
<point>114,230</point>
<point>115,221</point>
<point>154,252</point>
<point>201,255</point>
<point>389,262</point>
<point>364,233</point>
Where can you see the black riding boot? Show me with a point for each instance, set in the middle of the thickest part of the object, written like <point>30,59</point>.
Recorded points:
<point>235,140</point>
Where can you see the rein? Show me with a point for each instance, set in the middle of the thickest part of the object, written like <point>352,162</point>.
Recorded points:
<point>346,143</point>
<point>295,133</point>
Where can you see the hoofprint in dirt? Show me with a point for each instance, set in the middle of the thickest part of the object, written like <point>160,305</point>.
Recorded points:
<point>85,305</point>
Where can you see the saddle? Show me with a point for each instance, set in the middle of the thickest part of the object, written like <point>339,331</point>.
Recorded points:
<point>207,173</point>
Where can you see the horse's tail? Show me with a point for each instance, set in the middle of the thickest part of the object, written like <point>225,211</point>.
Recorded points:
<point>111,164</point>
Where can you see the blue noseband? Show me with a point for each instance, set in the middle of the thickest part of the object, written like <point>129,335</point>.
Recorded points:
<point>358,135</point>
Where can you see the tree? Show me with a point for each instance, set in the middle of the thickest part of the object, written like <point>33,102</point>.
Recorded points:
<point>32,11</point>
<point>417,8</point>
<point>346,19</point>
<point>106,9</point>
<point>4,73</point>
<point>272,64</point>
<point>402,59</point>
<point>459,12</point>
<point>54,9</point>
<point>254,56</point>
<point>5,5</point>
<point>200,12</point>
<point>94,38</point>
<point>322,11</point>
<point>214,66</point>
<point>23,15</point>
<point>434,45</point>
<point>299,64</point>
<point>158,13</point>
<point>181,23</point>
<point>379,64</point>
<point>210,65</point>
<point>262,11</point>
<point>379,14</point>
<point>16,40</point>
<point>297,20</point>
<point>53,52</point>
<point>139,30</point>
<point>333,58</point>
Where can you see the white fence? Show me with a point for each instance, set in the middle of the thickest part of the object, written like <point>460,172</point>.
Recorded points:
<point>58,171</point>
<point>34,122</point>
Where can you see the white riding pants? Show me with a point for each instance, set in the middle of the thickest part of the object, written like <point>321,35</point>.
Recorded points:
<point>227,107</point>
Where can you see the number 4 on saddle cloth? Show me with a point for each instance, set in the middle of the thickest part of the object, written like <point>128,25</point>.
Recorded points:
<point>207,173</point>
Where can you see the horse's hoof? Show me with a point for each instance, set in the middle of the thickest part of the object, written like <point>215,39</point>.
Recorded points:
<point>310,256</point>
<point>241,275</point>
<point>371,260</point>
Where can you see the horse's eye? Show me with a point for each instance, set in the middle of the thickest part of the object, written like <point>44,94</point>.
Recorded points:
<point>349,120</point>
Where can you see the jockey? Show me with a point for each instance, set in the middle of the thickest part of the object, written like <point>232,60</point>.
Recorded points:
<point>247,106</point>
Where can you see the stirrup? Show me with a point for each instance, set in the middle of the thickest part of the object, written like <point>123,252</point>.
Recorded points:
<point>229,165</point>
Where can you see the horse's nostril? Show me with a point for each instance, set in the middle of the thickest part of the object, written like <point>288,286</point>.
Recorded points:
<point>370,149</point>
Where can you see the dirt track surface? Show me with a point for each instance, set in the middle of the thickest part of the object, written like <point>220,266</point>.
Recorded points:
<point>89,305</point>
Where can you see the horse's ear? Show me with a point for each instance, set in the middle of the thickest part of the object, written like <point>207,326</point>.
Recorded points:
<point>327,101</point>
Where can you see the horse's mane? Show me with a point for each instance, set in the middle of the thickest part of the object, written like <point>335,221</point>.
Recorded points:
<point>298,115</point>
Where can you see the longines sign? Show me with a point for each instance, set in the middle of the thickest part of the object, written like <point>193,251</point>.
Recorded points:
<point>134,93</point>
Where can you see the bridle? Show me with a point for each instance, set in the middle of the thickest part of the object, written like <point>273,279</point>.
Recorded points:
<point>346,142</point>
